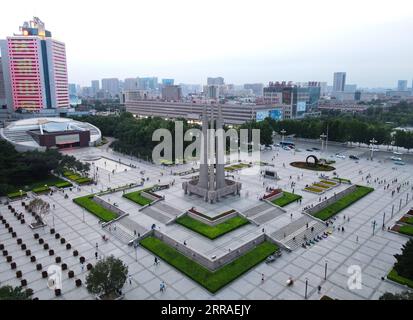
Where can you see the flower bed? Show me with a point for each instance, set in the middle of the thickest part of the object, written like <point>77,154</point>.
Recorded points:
<point>313,189</point>
<point>320,185</point>
<point>331,183</point>
<point>272,193</point>
<point>64,184</point>
<point>72,176</point>
<point>41,190</point>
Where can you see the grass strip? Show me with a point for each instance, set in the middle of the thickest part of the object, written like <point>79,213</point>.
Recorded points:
<point>212,281</point>
<point>93,207</point>
<point>286,199</point>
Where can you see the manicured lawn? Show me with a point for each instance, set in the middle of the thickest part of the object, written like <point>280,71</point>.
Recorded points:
<point>212,281</point>
<point>407,219</point>
<point>286,199</point>
<point>310,166</point>
<point>138,198</point>
<point>406,229</point>
<point>343,203</point>
<point>64,184</point>
<point>77,178</point>
<point>95,208</point>
<point>238,166</point>
<point>209,231</point>
<point>399,279</point>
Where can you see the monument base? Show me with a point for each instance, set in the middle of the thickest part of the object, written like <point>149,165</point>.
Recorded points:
<point>211,196</point>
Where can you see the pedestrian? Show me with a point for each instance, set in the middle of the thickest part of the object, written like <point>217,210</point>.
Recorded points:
<point>319,289</point>
<point>96,255</point>
<point>97,245</point>
<point>82,266</point>
<point>357,239</point>
<point>130,279</point>
<point>262,277</point>
<point>155,261</point>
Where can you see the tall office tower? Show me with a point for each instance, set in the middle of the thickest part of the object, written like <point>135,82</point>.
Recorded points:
<point>168,82</point>
<point>35,70</point>
<point>339,82</point>
<point>72,89</point>
<point>130,84</point>
<point>172,93</point>
<point>402,85</point>
<point>95,87</point>
<point>218,81</point>
<point>111,86</point>
<point>2,88</point>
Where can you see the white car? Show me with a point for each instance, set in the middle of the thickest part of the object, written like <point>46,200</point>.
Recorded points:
<point>397,153</point>
<point>286,148</point>
<point>341,156</point>
<point>396,158</point>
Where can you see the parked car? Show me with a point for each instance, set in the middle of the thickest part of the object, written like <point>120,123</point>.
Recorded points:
<point>286,148</point>
<point>309,150</point>
<point>396,158</point>
<point>354,157</point>
<point>397,153</point>
<point>400,163</point>
<point>316,149</point>
<point>341,156</point>
<point>273,257</point>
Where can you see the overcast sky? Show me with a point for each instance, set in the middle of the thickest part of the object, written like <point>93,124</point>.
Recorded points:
<point>243,41</point>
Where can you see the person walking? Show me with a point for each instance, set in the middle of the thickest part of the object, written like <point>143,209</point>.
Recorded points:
<point>319,289</point>
<point>262,277</point>
<point>130,279</point>
<point>96,255</point>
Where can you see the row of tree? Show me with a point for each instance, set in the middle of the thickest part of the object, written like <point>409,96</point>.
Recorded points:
<point>19,169</point>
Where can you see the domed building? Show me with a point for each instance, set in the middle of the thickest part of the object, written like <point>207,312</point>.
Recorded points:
<point>44,133</point>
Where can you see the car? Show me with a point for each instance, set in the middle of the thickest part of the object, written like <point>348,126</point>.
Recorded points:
<point>397,153</point>
<point>286,148</point>
<point>395,158</point>
<point>354,157</point>
<point>316,149</point>
<point>277,145</point>
<point>309,150</point>
<point>341,156</point>
<point>400,163</point>
<point>273,257</point>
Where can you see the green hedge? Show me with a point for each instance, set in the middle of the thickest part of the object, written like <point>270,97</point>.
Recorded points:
<point>393,275</point>
<point>41,190</point>
<point>212,232</point>
<point>64,184</point>
<point>87,203</point>
<point>76,177</point>
<point>341,204</point>
<point>15,195</point>
<point>342,180</point>
<point>286,199</point>
<point>212,281</point>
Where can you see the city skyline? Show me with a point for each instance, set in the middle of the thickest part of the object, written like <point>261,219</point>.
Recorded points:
<point>373,49</point>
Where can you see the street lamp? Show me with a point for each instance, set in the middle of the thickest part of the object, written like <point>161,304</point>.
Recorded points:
<point>322,138</point>
<point>325,270</point>
<point>374,226</point>
<point>21,194</point>
<point>372,141</point>
<point>384,217</point>
<point>306,285</point>
<point>283,132</point>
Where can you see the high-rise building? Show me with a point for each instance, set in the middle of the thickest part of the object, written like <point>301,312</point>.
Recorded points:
<point>95,87</point>
<point>402,85</point>
<point>130,84</point>
<point>72,89</point>
<point>350,88</point>
<point>111,86</point>
<point>168,82</point>
<point>218,81</point>
<point>35,70</point>
<point>172,93</point>
<point>2,88</point>
<point>339,82</point>
<point>148,83</point>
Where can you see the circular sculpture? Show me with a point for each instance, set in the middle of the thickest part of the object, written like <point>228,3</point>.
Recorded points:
<point>311,157</point>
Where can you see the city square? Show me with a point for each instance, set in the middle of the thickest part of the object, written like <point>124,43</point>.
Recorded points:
<point>325,264</point>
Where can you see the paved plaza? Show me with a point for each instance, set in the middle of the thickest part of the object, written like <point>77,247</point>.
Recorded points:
<point>355,246</point>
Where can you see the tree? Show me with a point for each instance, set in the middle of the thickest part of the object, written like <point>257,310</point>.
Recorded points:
<point>405,295</point>
<point>107,277</point>
<point>404,263</point>
<point>41,207</point>
<point>16,293</point>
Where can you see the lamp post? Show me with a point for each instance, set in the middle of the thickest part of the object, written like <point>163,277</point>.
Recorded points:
<point>374,226</point>
<point>21,194</point>
<point>306,286</point>
<point>372,141</point>
<point>322,138</point>
<point>325,270</point>
<point>384,217</point>
<point>283,132</point>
